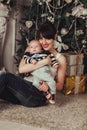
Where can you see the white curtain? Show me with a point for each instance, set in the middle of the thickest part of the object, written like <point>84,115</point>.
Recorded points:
<point>3,24</point>
<point>9,46</point>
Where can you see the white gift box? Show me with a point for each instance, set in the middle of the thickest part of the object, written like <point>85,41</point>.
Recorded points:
<point>73,70</point>
<point>73,58</point>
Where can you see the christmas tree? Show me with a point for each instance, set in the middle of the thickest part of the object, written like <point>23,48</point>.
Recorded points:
<point>69,18</point>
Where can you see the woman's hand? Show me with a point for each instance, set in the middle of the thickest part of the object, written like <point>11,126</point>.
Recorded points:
<point>25,68</point>
<point>43,87</point>
<point>48,60</point>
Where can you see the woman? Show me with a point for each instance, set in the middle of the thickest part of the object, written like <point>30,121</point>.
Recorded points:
<point>20,91</point>
<point>47,35</point>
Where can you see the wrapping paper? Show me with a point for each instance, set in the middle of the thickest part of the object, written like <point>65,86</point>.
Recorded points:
<point>74,59</point>
<point>74,84</point>
<point>73,70</point>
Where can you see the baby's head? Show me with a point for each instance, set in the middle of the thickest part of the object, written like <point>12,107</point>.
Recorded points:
<point>35,46</point>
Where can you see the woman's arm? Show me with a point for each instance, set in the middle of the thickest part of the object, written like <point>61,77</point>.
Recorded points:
<point>61,72</point>
<point>61,68</point>
<point>25,68</point>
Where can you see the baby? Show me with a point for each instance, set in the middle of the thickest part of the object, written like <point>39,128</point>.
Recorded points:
<point>34,55</point>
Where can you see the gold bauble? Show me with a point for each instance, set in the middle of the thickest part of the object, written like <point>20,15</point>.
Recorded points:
<point>68,1</point>
<point>29,24</point>
<point>64,31</point>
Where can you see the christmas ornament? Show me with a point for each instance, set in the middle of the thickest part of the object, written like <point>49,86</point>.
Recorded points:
<point>29,24</point>
<point>68,1</point>
<point>84,42</point>
<point>68,14</point>
<point>40,3</point>
<point>51,19</point>
<point>79,32</point>
<point>79,11</point>
<point>84,46</point>
<point>44,15</point>
<point>58,45</point>
<point>64,31</point>
<point>58,2</point>
<point>4,11</point>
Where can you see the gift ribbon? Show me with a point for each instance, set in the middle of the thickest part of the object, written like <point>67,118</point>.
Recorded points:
<point>78,82</point>
<point>79,57</point>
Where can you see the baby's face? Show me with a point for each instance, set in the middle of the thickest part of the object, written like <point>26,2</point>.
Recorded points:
<point>35,47</point>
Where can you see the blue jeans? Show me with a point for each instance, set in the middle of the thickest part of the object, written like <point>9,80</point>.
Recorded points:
<point>19,91</point>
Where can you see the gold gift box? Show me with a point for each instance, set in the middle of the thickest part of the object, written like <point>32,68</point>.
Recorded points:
<point>74,84</point>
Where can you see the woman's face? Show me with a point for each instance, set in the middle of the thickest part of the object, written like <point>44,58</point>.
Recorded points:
<point>47,44</point>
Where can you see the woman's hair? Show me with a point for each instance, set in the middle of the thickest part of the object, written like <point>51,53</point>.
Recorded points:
<point>47,30</point>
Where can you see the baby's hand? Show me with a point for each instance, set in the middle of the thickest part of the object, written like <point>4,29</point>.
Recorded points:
<point>48,60</point>
<point>33,61</point>
<point>43,87</point>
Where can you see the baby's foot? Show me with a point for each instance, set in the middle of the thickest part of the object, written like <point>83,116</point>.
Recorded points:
<point>51,101</point>
<point>48,96</point>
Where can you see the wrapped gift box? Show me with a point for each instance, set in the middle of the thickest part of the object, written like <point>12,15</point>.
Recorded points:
<point>73,70</point>
<point>73,58</point>
<point>74,84</point>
